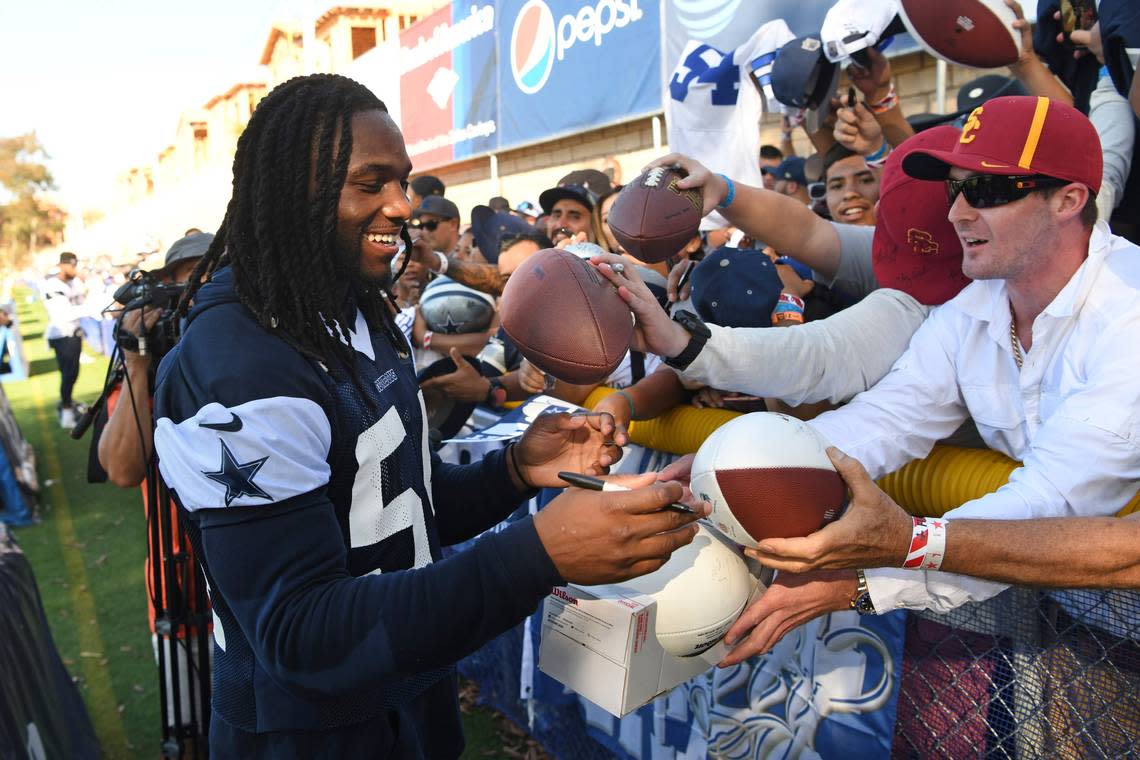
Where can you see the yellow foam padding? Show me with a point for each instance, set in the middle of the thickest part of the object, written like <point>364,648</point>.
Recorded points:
<point>949,477</point>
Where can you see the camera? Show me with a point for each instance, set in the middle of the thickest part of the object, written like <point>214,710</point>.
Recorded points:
<point>146,290</point>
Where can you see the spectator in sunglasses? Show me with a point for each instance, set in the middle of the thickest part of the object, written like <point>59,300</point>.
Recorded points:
<point>1034,351</point>
<point>437,218</point>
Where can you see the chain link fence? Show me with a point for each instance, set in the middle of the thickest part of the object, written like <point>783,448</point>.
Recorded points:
<point>1027,674</point>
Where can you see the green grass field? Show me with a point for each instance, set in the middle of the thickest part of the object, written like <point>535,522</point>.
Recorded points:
<point>88,555</point>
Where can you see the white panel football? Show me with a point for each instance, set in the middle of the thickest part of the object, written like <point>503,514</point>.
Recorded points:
<point>767,475</point>
<point>700,591</point>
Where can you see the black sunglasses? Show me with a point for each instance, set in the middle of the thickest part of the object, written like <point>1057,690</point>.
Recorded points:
<point>989,190</point>
<point>429,225</point>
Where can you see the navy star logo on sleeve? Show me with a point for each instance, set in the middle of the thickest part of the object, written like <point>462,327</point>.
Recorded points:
<point>238,478</point>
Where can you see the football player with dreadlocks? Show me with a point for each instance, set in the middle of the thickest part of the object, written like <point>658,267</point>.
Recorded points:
<point>292,433</point>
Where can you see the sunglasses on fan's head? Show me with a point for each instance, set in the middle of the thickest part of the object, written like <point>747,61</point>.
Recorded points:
<point>989,190</point>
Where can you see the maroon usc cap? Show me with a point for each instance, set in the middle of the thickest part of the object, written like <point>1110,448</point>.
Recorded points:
<point>915,248</point>
<point>1018,135</point>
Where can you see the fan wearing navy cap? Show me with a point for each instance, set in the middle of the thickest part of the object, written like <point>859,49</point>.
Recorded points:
<point>569,209</point>
<point>788,178</point>
<point>1032,351</point>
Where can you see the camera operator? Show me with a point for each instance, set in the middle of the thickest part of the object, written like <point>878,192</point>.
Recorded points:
<point>126,442</point>
<point>178,606</point>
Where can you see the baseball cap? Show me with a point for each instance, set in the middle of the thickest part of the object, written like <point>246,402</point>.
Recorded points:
<point>791,168</point>
<point>490,227</point>
<point>802,77</point>
<point>852,26</point>
<point>438,205</point>
<point>1017,135</point>
<point>193,246</point>
<point>735,287</point>
<point>580,193</point>
<point>915,248</point>
<point>597,181</point>
<point>425,185</point>
<point>528,208</point>
<point>970,95</point>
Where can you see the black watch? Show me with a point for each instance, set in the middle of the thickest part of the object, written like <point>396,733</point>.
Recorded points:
<point>496,393</point>
<point>699,334</point>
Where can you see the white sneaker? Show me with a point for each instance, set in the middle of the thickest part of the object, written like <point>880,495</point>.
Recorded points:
<point>85,359</point>
<point>66,417</point>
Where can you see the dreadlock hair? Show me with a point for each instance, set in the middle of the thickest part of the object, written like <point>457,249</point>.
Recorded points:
<point>280,239</point>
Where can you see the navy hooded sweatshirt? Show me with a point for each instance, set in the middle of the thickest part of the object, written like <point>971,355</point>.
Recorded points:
<point>318,520</point>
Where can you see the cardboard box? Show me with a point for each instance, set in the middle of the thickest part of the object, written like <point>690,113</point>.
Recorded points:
<point>600,641</point>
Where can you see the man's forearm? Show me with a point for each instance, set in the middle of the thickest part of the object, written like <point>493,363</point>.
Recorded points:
<point>482,277</point>
<point>126,441</point>
<point>787,225</point>
<point>1065,552</point>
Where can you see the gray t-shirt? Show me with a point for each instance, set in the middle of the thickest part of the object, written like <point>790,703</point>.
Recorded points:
<point>855,277</point>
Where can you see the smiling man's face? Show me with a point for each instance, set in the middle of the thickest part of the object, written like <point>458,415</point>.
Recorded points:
<point>374,203</point>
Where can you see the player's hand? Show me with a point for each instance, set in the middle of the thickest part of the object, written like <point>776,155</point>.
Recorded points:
<point>654,332</point>
<point>464,384</point>
<point>790,601</point>
<point>713,188</point>
<point>857,129</point>
<point>606,537</point>
<point>586,443</point>
<point>873,532</point>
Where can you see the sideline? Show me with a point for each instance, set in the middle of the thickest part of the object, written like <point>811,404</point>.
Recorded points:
<point>102,703</point>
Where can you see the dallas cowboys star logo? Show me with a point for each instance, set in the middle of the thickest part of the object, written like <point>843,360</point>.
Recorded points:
<point>238,478</point>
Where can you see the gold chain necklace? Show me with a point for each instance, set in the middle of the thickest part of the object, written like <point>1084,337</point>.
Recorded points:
<point>1013,341</point>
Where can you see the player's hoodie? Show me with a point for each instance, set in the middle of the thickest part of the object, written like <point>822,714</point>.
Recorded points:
<point>318,520</point>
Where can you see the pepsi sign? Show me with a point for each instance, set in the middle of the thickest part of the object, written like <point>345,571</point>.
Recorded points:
<point>561,56</point>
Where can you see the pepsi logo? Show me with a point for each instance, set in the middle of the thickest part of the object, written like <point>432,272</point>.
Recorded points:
<point>537,42</point>
<point>532,46</point>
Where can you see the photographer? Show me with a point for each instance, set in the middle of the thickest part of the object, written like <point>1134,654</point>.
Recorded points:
<point>177,604</point>
<point>126,442</point>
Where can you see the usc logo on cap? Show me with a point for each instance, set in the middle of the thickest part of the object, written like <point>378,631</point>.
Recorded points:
<point>972,124</point>
<point>922,242</point>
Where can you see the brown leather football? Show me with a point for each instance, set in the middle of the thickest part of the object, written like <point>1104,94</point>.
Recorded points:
<point>652,218</point>
<point>566,318</point>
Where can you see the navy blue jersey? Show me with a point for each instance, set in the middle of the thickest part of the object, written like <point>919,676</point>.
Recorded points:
<point>318,518</point>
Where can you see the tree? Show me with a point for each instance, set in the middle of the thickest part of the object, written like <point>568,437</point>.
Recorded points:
<point>27,221</point>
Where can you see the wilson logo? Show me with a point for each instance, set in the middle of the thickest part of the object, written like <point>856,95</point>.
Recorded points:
<point>558,592</point>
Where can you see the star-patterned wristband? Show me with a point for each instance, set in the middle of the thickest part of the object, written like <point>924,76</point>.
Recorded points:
<point>927,544</point>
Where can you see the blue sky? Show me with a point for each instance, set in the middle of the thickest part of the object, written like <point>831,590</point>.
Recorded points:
<point>103,83</point>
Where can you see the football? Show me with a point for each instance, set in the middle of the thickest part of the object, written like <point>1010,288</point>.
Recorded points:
<point>767,475</point>
<point>700,592</point>
<point>977,33</point>
<point>566,318</point>
<point>454,309</point>
<point>652,218</point>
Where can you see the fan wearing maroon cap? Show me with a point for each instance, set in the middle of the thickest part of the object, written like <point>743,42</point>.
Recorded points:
<point>1037,351</point>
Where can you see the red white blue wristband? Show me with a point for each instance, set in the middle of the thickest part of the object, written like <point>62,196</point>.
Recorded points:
<point>927,544</point>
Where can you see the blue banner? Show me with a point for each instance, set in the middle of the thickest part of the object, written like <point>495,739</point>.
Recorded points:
<point>571,65</point>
